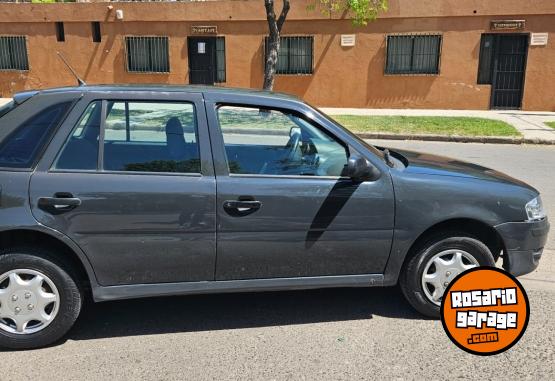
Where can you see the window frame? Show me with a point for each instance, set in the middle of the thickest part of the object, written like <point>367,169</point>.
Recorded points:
<point>100,159</point>
<point>481,57</point>
<point>217,105</point>
<point>23,38</point>
<point>387,72</point>
<point>96,31</point>
<point>60,31</point>
<point>288,73</point>
<point>150,39</point>
<point>223,79</point>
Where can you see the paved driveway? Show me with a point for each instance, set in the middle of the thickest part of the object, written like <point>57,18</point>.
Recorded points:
<point>327,334</point>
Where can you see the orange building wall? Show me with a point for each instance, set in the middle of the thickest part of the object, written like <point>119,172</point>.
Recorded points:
<point>343,77</point>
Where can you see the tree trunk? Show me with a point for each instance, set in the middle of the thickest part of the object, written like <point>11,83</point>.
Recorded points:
<point>272,48</point>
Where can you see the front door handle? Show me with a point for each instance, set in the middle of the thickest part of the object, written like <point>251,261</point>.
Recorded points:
<point>241,208</point>
<point>61,202</point>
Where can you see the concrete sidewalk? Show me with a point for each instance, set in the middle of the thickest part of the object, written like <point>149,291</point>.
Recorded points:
<point>530,124</point>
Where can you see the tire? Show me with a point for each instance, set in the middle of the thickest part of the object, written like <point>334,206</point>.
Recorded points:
<point>475,253</point>
<point>64,310</point>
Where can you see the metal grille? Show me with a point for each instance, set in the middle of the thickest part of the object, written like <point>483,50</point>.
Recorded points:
<point>508,71</point>
<point>413,54</point>
<point>13,53</point>
<point>295,56</point>
<point>220,59</point>
<point>148,54</point>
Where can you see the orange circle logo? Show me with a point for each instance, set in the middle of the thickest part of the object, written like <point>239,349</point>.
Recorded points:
<point>485,311</point>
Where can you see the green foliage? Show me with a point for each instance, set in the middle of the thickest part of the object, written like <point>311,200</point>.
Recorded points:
<point>362,11</point>
<point>427,125</point>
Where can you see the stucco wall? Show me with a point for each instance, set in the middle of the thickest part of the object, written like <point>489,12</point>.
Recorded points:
<point>343,77</point>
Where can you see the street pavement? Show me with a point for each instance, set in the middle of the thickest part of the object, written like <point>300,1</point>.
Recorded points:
<point>341,334</point>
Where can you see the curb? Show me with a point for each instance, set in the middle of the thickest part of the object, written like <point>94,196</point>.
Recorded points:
<point>428,138</point>
<point>454,138</point>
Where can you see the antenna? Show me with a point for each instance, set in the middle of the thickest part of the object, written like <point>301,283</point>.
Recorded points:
<point>79,80</point>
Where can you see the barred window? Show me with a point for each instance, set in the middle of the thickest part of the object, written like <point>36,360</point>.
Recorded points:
<point>148,54</point>
<point>296,55</point>
<point>220,59</point>
<point>13,53</point>
<point>413,54</point>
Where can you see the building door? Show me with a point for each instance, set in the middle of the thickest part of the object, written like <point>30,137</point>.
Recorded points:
<point>202,60</point>
<point>509,67</point>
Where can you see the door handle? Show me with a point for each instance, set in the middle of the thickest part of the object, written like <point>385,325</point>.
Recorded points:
<point>241,208</point>
<point>61,202</point>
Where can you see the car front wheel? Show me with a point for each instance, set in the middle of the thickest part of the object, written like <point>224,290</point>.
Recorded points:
<point>427,274</point>
<point>39,300</point>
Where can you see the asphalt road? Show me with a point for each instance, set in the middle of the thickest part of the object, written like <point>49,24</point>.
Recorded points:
<point>325,334</point>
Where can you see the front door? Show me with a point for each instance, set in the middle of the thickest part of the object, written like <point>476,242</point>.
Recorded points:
<point>509,66</point>
<point>129,188</point>
<point>202,60</point>
<point>284,210</point>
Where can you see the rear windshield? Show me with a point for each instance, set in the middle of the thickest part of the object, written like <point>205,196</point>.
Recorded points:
<point>21,148</point>
<point>4,109</point>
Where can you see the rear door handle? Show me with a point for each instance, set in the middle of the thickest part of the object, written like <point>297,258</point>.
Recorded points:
<point>241,208</point>
<point>59,203</point>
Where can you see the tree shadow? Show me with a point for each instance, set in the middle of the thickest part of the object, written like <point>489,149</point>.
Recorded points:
<point>335,201</point>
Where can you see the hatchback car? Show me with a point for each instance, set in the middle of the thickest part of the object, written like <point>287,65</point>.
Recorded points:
<point>116,192</point>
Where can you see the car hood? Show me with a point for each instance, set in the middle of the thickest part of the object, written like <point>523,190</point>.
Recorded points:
<point>428,164</point>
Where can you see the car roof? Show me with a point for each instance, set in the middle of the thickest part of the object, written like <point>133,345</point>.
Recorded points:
<point>172,88</point>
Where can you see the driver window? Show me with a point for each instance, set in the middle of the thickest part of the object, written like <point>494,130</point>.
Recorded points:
<point>270,142</point>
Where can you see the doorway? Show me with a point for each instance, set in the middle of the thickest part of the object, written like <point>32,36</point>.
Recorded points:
<point>202,60</point>
<point>509,68</point>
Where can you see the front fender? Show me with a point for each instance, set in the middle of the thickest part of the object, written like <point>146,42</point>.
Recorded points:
<point>423,201</point>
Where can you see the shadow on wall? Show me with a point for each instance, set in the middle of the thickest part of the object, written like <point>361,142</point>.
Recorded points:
<point>105,47</point>
<point>402,90</point>
<point>257,68</point>
<point>302,83</point>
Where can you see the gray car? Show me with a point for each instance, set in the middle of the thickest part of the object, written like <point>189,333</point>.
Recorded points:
<point>117,192</point>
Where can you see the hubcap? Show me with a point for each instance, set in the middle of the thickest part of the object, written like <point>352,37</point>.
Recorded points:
<point>441,269</point>
<point>29,301</point>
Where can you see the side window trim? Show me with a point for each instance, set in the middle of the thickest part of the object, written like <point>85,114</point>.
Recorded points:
<point>218,105</point>
<point>100,161</point>
<point>101,139</point>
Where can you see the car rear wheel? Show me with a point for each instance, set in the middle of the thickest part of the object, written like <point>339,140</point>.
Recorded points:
<point>436,263</point>
<point>39,300</point>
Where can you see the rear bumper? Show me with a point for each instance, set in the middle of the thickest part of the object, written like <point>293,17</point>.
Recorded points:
<point>524,244</point>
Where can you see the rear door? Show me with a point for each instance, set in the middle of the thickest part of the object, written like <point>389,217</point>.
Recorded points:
<point>284,210</point>
<point>129,178</point>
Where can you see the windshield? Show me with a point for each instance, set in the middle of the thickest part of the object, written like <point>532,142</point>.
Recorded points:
<point>376,151</point>
<point>4,109</point>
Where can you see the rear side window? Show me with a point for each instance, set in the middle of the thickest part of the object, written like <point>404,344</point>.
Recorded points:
<point>139,136</point>
<point>21,148</point>
<point>151,137</point>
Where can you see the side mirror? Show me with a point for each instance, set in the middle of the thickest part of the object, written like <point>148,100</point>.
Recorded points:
<point>294,131</point>
<point>359,169</point>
